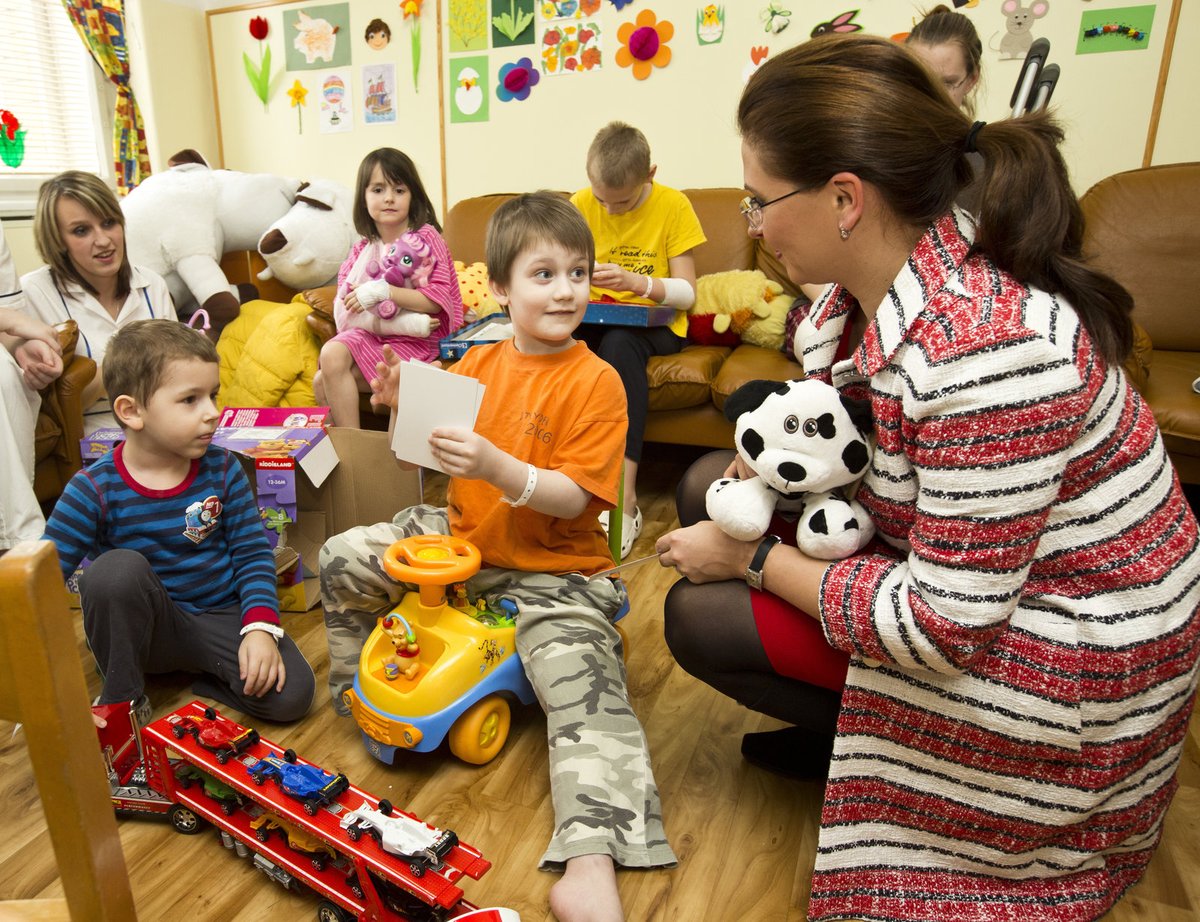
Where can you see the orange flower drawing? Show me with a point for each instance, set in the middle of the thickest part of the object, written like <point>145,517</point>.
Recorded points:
<point>644,44</point>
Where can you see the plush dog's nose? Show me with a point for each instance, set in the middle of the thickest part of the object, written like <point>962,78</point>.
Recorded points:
<point>792,472</point>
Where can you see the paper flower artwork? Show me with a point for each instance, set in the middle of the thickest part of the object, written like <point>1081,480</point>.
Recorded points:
<point>260,74</point>
<point>412,15</point>
<point>12,139</point>
<point>516,80</point>
<point>775,18</point>
<point>296,94</point>
<point>589,7</point>
<point>512,22</point>
<point>710,24</point>
<point>644,44</point>
<point>571,48</point>
<point>316,38</point>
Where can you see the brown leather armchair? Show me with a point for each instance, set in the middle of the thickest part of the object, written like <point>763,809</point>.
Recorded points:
<point>1141,229</point>
<point>59,428</point>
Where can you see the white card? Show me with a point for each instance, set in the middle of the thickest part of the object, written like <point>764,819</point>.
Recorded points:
<point>430,398</point>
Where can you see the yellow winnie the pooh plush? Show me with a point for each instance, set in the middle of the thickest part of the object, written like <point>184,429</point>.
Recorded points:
<point>745,306</point>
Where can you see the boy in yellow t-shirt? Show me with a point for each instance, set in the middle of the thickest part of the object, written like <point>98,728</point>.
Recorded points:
<point>526,486</point>
<point>645,233</point>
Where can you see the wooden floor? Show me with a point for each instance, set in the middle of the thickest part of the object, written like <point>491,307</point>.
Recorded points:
<point>745,839</point>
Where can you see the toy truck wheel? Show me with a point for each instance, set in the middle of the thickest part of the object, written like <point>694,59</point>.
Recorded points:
<point>310,807</point>
<point>184,820</point>
<point>331,912</point>
<point>480,732</point>
<point>354,831</point>
<point>262,833</point>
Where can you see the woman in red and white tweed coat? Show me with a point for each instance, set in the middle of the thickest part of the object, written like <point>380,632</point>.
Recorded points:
<point>1020,647</point>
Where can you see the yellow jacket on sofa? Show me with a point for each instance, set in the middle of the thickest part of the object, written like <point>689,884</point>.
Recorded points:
<point>268,357</point>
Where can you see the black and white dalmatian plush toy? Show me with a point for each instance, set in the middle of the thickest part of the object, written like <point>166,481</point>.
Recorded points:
<point>805,441</point>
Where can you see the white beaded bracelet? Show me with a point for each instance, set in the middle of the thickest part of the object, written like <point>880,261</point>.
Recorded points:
<point>530,486</point>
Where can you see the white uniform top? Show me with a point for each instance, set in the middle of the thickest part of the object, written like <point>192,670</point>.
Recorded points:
<point>10,288</point>
<point>148,299</point>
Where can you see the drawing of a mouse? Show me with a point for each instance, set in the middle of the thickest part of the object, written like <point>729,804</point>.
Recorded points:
<point>1019,37</point>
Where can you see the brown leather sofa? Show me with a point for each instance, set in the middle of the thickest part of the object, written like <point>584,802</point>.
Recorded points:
<point>1142,229</point>
<point>59,427</point>
<point>688,390</point>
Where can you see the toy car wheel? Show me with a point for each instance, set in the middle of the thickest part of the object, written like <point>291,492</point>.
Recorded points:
<point>262,833</point>
<point>318,862</point>
<point>228,807</point>
<point>178,731</point>
<point>259,778</point>
<point>310,807</point>
<point>481,731</point>
<point>222,756</point>
<point>210,714</point>
<point>354,831</point>
<point>289,756</point>
<point>385,807</point>
<point>355,886</point>
<point>418,869</point>
<point>331,912</point>
<point>184,820</point>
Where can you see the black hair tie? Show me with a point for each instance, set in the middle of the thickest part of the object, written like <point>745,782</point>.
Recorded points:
<point>969,144</point>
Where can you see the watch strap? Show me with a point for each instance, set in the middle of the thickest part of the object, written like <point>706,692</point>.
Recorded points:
<point>754,572</point>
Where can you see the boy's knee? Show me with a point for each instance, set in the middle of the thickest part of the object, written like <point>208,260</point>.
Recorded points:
<point>116,572</point>
<point>296,698</point>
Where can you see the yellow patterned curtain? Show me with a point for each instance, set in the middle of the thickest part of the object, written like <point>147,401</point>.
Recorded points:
<point>101,25</point>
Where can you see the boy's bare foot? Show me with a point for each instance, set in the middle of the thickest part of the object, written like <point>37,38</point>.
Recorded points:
<point>587,891</point>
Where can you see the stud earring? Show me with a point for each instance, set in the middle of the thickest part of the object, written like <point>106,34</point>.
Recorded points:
<point>844,232</point>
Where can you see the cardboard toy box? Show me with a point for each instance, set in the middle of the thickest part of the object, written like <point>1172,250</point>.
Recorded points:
<point>341,484</point>
<point>100,442</point>
<point>489,329</point>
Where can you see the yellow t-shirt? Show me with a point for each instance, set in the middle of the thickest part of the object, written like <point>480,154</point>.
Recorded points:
<point>563,412</point>
<point>643,240</point>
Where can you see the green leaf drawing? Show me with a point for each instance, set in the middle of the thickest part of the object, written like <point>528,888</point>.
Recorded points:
<point>512,23</point>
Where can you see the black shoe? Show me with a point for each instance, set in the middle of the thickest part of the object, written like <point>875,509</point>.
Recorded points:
<point>792,752</point>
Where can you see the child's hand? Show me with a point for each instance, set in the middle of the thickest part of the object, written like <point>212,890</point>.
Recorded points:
<point>614,278</point>
<point>386,386</point>
<point>351,300</point>
<point>463,452</point>
<point>260,664</point>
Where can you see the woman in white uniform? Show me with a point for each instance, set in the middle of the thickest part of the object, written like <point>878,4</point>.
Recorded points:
<point>29,360</point>
<point>79,230</point>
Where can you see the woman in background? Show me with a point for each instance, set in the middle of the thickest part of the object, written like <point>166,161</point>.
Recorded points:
<point>79,230</point>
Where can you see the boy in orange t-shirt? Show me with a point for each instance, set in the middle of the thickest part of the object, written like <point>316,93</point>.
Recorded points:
<point>526,488</point>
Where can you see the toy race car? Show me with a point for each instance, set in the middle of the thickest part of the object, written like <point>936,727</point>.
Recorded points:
<point>434,669</point>
<point>319,851</point>
<point>222,737</point>
<point>401,834</point>
<point>226,797</point>
<point>312,786</point>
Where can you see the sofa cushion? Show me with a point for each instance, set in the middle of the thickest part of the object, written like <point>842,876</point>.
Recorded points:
<point>751,363</point>
<point>684,379</point>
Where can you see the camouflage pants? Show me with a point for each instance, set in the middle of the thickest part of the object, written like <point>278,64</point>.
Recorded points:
<point>604,794</point>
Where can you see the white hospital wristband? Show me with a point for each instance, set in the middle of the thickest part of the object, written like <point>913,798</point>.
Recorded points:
<point>530,486</point>
<point>266,627</point>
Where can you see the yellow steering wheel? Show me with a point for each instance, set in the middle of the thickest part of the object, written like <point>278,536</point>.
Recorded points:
<point>432,561</point>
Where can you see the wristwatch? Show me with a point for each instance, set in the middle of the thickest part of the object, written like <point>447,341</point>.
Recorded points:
<point>754,572</point>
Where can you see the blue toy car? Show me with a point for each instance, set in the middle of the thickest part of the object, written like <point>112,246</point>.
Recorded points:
<point>312,786</point>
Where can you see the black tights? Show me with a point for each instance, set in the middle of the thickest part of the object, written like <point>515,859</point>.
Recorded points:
<point>711,632</point>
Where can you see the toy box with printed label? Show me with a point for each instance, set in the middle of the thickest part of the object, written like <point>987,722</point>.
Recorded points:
<point>100,443</point>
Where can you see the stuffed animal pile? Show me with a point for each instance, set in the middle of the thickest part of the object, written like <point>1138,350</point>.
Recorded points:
<point>805,441</point>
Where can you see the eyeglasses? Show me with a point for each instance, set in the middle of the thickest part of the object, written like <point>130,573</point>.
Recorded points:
<point>951,86</point>
<point>752,209</point>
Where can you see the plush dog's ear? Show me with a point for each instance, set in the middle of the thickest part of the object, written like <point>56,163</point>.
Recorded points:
<point>750,397</point>
<point>860,414</point>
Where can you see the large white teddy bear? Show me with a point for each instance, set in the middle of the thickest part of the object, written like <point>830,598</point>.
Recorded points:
<point>806,442</point>
<point>306,247</point>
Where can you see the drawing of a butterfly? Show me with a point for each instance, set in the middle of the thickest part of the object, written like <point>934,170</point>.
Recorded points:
<point>842,23</point>
<point>775,18</point>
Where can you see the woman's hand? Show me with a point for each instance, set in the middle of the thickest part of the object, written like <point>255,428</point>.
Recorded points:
<point>704,554</point>
<point>40,364</point>
<point>20,325</point>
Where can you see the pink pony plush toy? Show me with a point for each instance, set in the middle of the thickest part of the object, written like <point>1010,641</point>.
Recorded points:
<point>407,264</point>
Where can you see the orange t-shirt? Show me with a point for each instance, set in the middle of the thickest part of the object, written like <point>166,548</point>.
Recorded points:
<point>564,412</point>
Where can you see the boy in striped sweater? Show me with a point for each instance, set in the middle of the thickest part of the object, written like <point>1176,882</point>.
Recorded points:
<point>182,576</point>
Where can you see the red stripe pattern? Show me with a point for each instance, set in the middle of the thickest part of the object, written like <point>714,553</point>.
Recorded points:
<point>1024,643</point>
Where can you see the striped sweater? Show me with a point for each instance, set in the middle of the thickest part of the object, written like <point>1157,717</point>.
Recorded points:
<point>1024,643</point>
<point>203,538</point>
